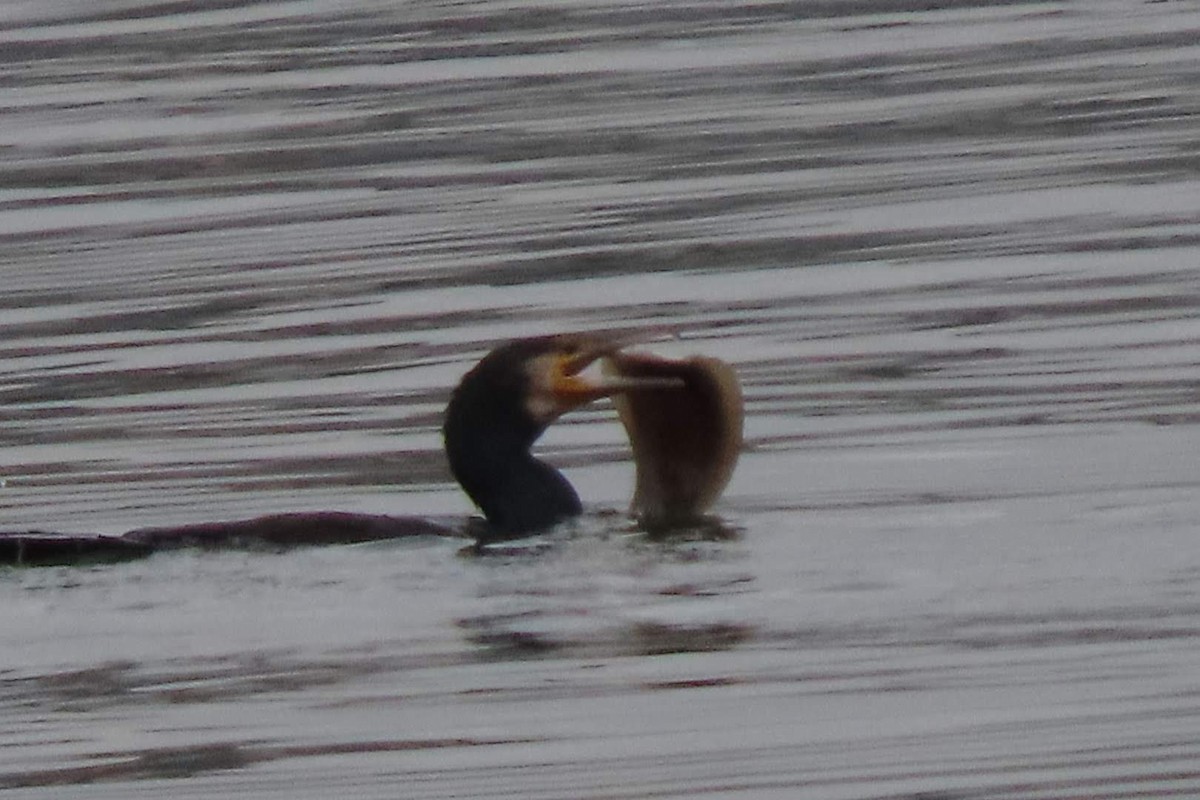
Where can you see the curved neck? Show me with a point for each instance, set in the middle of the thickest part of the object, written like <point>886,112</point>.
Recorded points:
<point>515,491</point>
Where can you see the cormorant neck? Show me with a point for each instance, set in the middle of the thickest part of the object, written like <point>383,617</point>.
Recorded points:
<point>489,454</point>
<point>520,495</point>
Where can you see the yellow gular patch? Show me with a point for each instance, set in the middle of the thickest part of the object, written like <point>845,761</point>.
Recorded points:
<point>544,372</point>
<point>555,388</point>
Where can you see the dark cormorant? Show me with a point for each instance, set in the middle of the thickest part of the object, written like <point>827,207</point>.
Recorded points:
<point>684,420</point>
<point>498,411</point>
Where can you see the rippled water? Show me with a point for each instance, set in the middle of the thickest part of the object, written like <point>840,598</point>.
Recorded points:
<point>951,250</point>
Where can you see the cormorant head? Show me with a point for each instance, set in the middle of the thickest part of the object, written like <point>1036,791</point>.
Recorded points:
<point>525,385</point>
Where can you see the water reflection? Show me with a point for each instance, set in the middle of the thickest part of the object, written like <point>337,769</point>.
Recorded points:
<point>595,589</point>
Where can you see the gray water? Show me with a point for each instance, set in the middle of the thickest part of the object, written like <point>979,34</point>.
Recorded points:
<point>951,249</point>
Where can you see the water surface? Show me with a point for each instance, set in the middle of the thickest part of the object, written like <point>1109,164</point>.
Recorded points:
<point>246,249</point>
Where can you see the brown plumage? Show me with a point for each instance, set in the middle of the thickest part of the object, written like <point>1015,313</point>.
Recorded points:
<point>685,442</point>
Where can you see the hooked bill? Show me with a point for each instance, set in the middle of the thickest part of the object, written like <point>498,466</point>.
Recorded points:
<point>686,440</point>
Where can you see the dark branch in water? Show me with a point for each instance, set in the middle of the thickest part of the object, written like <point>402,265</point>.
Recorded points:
<point>37,548</point>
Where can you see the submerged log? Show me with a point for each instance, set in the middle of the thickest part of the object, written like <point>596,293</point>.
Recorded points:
<point>38,549</point>
<point>289,530</point>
